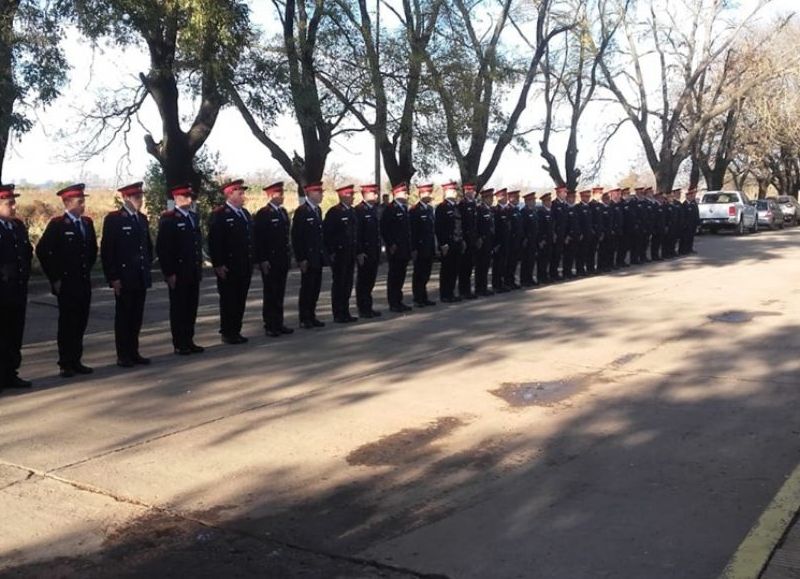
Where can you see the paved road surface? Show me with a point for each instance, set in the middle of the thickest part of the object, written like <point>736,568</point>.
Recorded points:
<point>632,425</point>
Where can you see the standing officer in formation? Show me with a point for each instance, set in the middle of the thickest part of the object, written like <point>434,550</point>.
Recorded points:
<point>67,252</point>
<point>423,245</point>
<point>586,248</point>
<point>396,232</point>
<point>272,253</point>
<point>559,213</point>
<point>530,241</point>
<point>691,221</point>
<point>126,252</point>
<point>572,236</point>
<point>230,244</point>
<point>659,227</point>
<point>501,240</point>
<point>605,238</point>
<point>309,251</point>
<point>16,253</point>
<point>340,231</point>
<point>368,253</point>
<point>515,232</point>
<point>676,230</point>
<point>600,224</point>
<point>468,209</point>
<point>484,243</point>
<point>450,237</point>
<point>545,239</point>
<point>179,247</point>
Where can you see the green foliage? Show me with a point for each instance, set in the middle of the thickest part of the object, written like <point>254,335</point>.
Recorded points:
<point>32,61</point>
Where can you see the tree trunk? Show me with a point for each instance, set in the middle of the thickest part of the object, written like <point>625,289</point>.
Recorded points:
<point>8,92</point>
<point>763,186</point>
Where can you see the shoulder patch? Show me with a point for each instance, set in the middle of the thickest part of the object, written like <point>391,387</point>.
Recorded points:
<point>168,213</point>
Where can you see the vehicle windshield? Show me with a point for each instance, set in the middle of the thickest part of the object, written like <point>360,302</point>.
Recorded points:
<point>762,204</point>
<point>721,198</point>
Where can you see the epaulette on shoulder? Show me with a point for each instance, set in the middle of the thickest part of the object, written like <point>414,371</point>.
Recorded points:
<point>220,209</point>
<point>168,213</point>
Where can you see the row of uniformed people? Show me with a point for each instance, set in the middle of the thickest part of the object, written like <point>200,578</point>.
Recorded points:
<point>471,237</point>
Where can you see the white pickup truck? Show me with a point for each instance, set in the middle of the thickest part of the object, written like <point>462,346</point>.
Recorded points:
<point>727,210</point>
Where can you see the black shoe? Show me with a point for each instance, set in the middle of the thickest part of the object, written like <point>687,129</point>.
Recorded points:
<point>287,331</point>
<point>141,360</point>
<point>234,340</point>
<point>17,382</point>
<point>273,333</point>
<point>501,290</point>
<point>317,323</point>
<point>375,314</point>
<point>397,309</point>
<point>183,351</point>
<point>350,319</point>
<point>428,303</point>
<point>485,294</point>
<point>66,372</point>
<point>515,286</point>
<point>420,304</point>
<point>469,296</point>
<point>340,320</point>
<point>195,349</point>
<point>307,325</point>
<point>81,369</point>
<point>364,314</point>
<point>123,363</point>
<point>448,300</point>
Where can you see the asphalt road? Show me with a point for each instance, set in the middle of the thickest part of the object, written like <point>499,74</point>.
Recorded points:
<point>632,425</point>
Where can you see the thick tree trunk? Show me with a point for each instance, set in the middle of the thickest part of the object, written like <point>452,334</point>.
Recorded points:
<point>8,91</point>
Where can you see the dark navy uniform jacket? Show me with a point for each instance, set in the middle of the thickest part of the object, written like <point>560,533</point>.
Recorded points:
<point>396,230</point>
<point>502,232</point>
<point>530,226</point>
<point>66,255</point>
<point>484,225</point>
<point>271,236</point>
<point>126,249</point>
<point>546,231</point>
<point>15,262</point>
<point>468,211</point>
<point>340,231</point>
<point>179,245</point>
<point>558,210</point>
<point>423,231</point>
<point>449,227</point>
<point>369,231</point>
<point>307,236</point>
<point>515,226</point>
<point>585,222</point>
<point>230,240</point>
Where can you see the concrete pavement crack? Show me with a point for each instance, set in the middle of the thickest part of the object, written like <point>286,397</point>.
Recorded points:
<point>177,514</point>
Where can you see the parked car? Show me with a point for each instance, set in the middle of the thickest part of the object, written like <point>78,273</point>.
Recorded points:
<point>790,207</point>
<point>769,214</point>
<point>727,210</point>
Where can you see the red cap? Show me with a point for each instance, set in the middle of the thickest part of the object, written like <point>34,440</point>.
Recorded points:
<point>585,192</point>
<point>530,194</point>
<point>233,186</point>
<point>132,189</point>
<point>547,195</point>
<point>469,187</point>
<point>640,189</point>
<point>184,189</point>
<point>487,193</point>
<point>515,192</point>
<point>625,190</point>
<point>501,192</point>
<point>401,188</point>
<point>596,190</point>
<point>451,186</point>
<point>274,188</point>
<point>346,190</point>
<point>425,189</point>
<point>7,191</point>
<point>315,187</point>
<point>617,190</point>
<point>72,191</point>
<point>369,188</point>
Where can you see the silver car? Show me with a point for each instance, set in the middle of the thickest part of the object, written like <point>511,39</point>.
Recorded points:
<point>769,214</point>
<point>789,206</point>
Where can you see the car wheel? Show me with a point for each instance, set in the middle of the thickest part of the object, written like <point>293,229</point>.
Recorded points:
<point>740,226</point>
<point>754,229</point>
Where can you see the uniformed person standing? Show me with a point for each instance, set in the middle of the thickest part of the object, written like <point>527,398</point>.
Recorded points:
<point>659,227</point>
<point>572,237</point>
<point>676,228</point>
<point>230,244</point>
<point>630,228</point>
<point>126,252</point>
<point>396,233</point>
<point>559,213</point>
<point>545,239</point>
<point>530,241</point>
<point>617,228</point>
<point>423,245</point>
<point>600,229</point>
<point>340,231</point>
<point>15,270</point>
<point>272,253</point>
<point>484,243</point>
<point>368,255</point>
<point>450,239</point>
<point>309,251</point>
<point>605,249</point>
<point>468,208</point>
<point>584,264</point>
<point>691,221</point>
<point>67,252</point>
<point>179,247</point>
<point>515,235</point>
<point>501,240</point>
